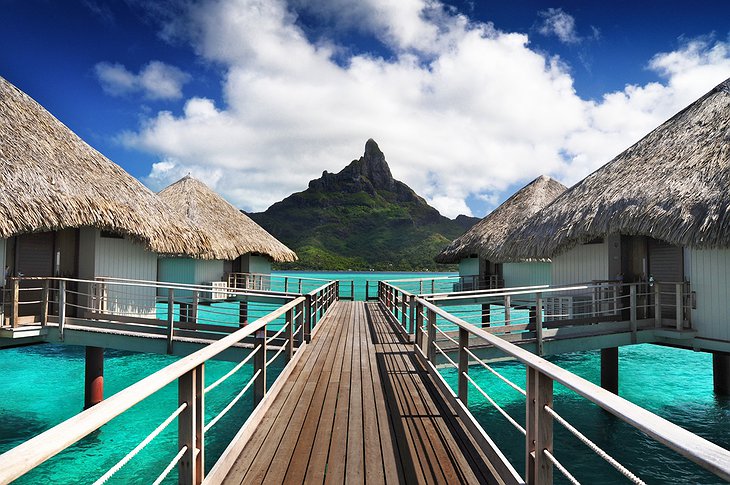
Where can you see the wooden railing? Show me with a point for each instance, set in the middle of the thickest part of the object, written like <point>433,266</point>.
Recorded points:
<point>286,283</point>
<point>301,316</point>
<point>541,457</point>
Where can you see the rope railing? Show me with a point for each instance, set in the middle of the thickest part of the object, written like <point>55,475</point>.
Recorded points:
<point>541,374</point>
<point>135,451</point>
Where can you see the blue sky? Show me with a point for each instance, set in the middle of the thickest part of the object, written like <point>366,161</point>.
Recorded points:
<point>469,100</point>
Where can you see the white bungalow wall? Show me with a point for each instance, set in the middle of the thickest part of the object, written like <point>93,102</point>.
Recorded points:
<point>119,258</point>
<point>469,267</point>
<point>526,274</point>
<point>189,271</point>
<point>583,263</point>
<point>255,264</point>
<point>708,277</point>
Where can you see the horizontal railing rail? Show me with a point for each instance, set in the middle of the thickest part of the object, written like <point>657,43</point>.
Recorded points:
<point>541,415</point>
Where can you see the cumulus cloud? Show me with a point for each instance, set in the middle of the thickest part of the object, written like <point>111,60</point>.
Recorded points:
<point>155,80</point>
<point>461,109</point>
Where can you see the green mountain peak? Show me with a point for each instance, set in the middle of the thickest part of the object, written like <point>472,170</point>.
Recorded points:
<point>361,218</point>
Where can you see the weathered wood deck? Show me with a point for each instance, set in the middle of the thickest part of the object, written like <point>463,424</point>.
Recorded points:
<point>358,407</point>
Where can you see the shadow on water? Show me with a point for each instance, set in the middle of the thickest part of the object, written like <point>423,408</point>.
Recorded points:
<point>15,429</point>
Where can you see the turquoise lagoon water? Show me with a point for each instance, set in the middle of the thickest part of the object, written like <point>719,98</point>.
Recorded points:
<point>43,385</point>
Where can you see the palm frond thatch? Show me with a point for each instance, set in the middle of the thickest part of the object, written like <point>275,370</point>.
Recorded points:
<point>671,185</point>
<point>486,237</point>
<point>231,232</point>
<point>51,179</point>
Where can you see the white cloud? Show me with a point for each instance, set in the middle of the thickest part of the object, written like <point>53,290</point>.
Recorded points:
<point>461,109</point>
<point>557,22</point>
<point>156,80</point>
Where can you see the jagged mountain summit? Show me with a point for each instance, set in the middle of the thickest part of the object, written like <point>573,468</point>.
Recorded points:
<point>361,218</point>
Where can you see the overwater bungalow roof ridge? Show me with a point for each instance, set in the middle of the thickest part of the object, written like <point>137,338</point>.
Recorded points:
<point>671,185</point>
<point>485,238</point>
<point>231,232</point>
<point>52,180</point>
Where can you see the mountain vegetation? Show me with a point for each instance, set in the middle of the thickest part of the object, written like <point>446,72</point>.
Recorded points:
<point>360,219</point>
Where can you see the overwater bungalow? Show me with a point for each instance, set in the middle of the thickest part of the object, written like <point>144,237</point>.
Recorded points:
<point>657,214</point>
<point>478,251</point>
<point>67,210</point>
<point>237,244</point>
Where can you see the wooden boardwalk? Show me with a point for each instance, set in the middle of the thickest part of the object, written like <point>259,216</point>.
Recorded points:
<point>358,407</point>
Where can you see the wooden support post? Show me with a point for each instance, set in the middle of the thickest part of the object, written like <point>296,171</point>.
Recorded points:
<point>486,317</point>
<point>259,364</point>
<point>194,307</point>
<point>632,313</point>
<point>44,303</point>
<point>680,305</point>
<point>539,428</point>
<point>433,286</point>
<point>290,333</point>
<point>721,373</point>
<point>61,307</point>
<point>286,284</point>
<point>657,305</point>
<point>190,426</point>
<point>93,376</point>
<point>538,323</point>
<point>609,369</point>
<point>507,310</point>
<point>307,318</point>
<point>431,350</point>
<point>170,318</point>
<point>14,307</point>
<point>242,313</point>
<point>463,366</point>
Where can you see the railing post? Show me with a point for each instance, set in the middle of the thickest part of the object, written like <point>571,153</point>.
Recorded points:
<point>15,296</point>
<point>507,310</point>
<point>433,286</point>
<point>680,305</point>
<point>300,286</point>
<point>538,322</point>
<point>44,303</point>
<point>632,312</point>
<point>420,287</point>
<point>367,290</point>
<point>539,428</point>
<point>431,349</point>
<point>403,312</point>
<point>290,333</point>
<point>412,314</point>
<point>307,318</point>
<point>419,325</point>
<point>463,366</point>
<point>259,364</point>
<point>61,307</point>
<point>170,318</point>
<point>286,284</point>
<point>657,305</point>
<point>190,426</point>
<point>352,289</point>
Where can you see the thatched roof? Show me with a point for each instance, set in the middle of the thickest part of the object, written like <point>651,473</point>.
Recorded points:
<point>671,185</point>
<point>486,237</point>
<point>231,232</point>
<point>51,179</point>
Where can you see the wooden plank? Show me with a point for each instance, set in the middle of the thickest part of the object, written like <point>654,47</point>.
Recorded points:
<point>289,393</point>
<point>374,461</point>
<point>306,411</point>
<point>393,470</point>
<point>338,443</point>
<point>355,432</point>
<point>309,465</point>
<point>267,454</point>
